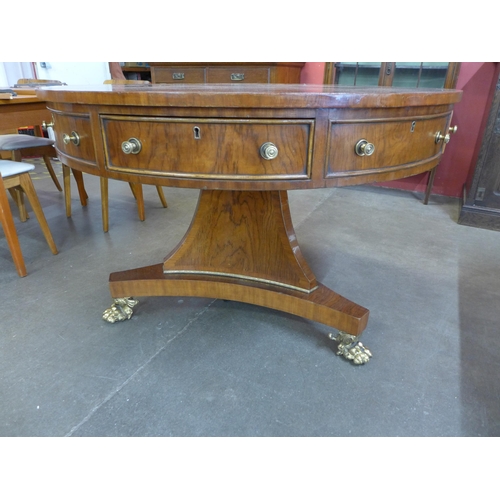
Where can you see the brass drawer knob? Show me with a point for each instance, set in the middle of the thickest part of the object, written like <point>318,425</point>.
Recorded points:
<point>268,151</point>
<point>132,146</point>
<point>74,138</point>
<point>440,137</point>
<point>364,148</point>
<point>45,125</point>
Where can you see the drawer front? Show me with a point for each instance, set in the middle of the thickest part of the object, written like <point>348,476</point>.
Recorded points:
<point>178,75</point>
<point>210,148</point>
<point>76,128</point>
<point>397,143</point>
<point>238,75</point>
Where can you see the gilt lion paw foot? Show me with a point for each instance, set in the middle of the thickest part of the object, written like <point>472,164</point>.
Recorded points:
<point>120,310</point>
<point>351,348</point>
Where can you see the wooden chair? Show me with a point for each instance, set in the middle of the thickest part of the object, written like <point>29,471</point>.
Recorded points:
<point>134,187</point>
<point>21,146</point>
<point>15,176</point>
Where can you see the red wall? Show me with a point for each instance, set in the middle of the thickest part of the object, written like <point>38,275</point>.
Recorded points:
<point>477,80</point>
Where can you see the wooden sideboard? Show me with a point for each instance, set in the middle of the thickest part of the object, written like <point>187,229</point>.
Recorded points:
<point>237,72</point>
<point>244,146</point>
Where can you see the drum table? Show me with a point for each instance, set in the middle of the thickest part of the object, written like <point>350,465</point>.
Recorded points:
<point>244,146</point>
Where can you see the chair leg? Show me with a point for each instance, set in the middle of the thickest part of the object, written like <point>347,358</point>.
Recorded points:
<point>162,196</point>
<point>46,159</point>
<point>28,188</point>
<point>9,228</point>
<point>104,204</point>
<point>81,187</point>
<point>137,191</point>
<point>430,182</point>
<point>17,196</point>
<point>67,189</point>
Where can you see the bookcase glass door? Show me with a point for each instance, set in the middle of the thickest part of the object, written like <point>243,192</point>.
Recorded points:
<point>420,74</point>
<point>393,74</point>
<point>357,73</point>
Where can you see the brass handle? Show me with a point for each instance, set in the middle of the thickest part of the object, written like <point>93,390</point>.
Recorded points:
<point>45,126</point>
<point>268,151</point>
<point>178,76</point>
<point>440,137</point>
<point>364,148</point>
<point>445,138</point>
<point>132,146</point>
<point>238,77</point>
<point>74,138</point>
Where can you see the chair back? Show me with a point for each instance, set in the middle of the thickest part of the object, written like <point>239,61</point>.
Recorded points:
<point>35,82</point>
<point>127,82</point>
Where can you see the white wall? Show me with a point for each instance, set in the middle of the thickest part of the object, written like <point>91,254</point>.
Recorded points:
<point>11,72</point>
<point>81,73</point>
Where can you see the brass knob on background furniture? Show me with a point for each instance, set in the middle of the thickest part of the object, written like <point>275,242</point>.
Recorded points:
<point>45,126</point>
<point>132,146</point>
<point>453,130</point>
<point>74,138</point>
<point>364,148</point>
<point>268,151</point>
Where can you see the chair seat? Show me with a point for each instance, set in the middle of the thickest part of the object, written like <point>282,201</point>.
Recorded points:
<point>9,168</point>
<point>11,142</point>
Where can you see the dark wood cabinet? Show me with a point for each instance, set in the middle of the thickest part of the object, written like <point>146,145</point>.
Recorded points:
<point>481,201</point>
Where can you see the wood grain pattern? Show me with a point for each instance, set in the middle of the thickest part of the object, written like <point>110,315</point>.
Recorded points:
<point>243,234</point>
<point>397,143</point>
<point>218,149</point>
<point>67,123</point>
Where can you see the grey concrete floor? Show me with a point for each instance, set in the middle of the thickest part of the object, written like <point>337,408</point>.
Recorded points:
<point>202,367</point>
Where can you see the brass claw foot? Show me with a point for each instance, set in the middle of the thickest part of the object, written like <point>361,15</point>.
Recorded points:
<point>351,348</point>
<point>120,310</point>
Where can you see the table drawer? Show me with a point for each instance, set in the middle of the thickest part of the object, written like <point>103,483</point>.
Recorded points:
<point>238,75</point>
<point>397,142</point>
<point>178,75</point>
<point>229,149</point>
<point>74,136</point>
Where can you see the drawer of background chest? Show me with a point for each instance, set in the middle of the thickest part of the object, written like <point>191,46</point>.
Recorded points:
<point>391,144</point>
<point>179,75</point>
<point>210,148</point>
<point>238,75</point>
